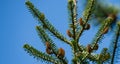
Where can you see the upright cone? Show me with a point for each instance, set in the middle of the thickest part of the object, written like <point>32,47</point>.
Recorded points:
<point>69,33</point>
<point>61,52</point>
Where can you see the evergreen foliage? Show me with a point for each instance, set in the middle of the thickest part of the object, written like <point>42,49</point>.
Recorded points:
<point>81,54</point>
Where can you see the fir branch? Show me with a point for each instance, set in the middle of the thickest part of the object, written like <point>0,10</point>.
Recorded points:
<point>88,10</point>
<point>81,54</point>
<point>104,56</point>
<point>45,38</point>
<point>72,9</point>
<point>39,54</point>
<point>86,16</point>
<point>42,20</point>
<point>72,13</point>
<point>115,43</point>
<point>106,23</point>
<point>75,17</point>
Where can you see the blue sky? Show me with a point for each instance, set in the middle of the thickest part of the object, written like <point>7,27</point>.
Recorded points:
<point>18,27</point>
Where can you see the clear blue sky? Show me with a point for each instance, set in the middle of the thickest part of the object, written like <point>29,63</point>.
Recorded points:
<point>17,27</point>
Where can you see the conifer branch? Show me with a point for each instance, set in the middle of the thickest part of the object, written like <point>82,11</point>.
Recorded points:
<point>75,17</point>
<point>40,55</point>
<point>86,16</point>
<point>42,20</point>
<point>81,54</point>
<point>72,9</point>
<point>106,23</point>
<point>88,10</point>
<point>115,43</point>
<point>104,56</point>
<point>45,38</point>
<point>72,13</point>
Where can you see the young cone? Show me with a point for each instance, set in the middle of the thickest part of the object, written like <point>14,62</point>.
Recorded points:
<point>69,33</point>
<point>81,22</point>
<point>88,48</point>
<point>48,45</point>
<point>87,27</point>
<point>49,51</point>
<point>61,52</point>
